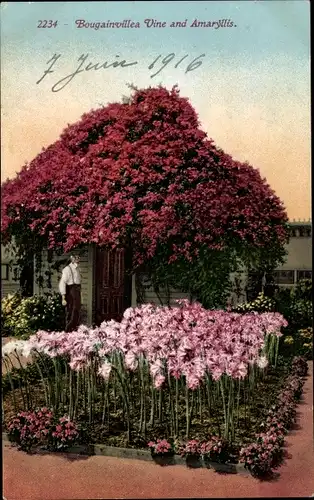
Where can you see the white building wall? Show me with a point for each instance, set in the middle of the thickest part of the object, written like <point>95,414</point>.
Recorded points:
<point>9,272</point>
<point>299,258</point>
<point>86,268</point>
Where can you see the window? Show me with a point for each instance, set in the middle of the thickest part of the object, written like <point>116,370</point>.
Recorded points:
<point>304,275</point>
<point>284,277</point>
<point>5,272</point>
<point>301,231</point>
<point>15,273</point>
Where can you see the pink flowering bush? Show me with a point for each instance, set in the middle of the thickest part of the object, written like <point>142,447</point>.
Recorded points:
<point>63,433</point>
<point>300,366</point>
<point>30,428</point>
<point>161,448</point>
<point>267,452</point>
<point>264,455</point>
<point>190,449</point>
<point>274,425</point>
<point>216,449</point>
<point>37,427</point>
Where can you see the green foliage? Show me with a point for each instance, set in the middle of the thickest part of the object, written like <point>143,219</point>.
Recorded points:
<point>302,291</point>
<point>260,304</point>
<point>23,317</point>
<point>17,376</point>
<point>284,302</point>
<point>300,343</point>
<point>206,279</point>
<point>296,305</point>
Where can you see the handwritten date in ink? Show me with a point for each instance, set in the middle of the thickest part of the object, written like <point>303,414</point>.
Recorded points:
<point>86,65</point>
<point>196,63</point>
<point>47,24</point>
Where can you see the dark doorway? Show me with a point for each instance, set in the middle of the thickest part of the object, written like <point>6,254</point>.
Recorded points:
<point>113,284</point>
<point>27,279</point>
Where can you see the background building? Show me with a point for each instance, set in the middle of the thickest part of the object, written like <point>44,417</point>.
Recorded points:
<point>107,290</point>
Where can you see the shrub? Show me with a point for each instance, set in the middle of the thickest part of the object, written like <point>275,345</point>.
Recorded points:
<point>23,317</point>
<point>191,448</point>
<point>161,447</point>
<point>63,433</point>
<point>296,305</point>
<point>302,290</point>
<point>216,450</point>
<point>300,366</point>
<point>261,457</point>
<point>260,304</point>
<point>305,342</point>
<point>38,427</point>
<point>266,453</point>
<point>9,304</point>
<point>30,428</point>
<point>283,302</point>
<point>299,342</point>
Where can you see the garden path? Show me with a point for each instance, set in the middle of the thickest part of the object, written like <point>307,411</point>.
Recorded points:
<point>59,477</point>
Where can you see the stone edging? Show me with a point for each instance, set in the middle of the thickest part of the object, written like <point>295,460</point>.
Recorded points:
<point>112,451</point>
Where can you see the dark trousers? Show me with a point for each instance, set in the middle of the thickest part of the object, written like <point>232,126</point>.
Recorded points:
<point>73,307</point>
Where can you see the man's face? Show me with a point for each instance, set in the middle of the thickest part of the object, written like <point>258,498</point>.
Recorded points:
<point>76,260</point>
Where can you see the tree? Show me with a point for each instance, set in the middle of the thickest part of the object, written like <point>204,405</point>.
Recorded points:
<point>143,175</point>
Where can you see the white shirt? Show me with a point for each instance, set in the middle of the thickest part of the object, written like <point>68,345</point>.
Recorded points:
<point>70,276</point>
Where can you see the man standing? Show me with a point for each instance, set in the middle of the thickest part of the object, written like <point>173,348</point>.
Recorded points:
<point>70,290</point>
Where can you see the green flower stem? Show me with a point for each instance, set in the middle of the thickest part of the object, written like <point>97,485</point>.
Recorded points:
<point>104,402</point>
<point>84,391</point>
<point>177,408</point>
<point>57,386</point>
<point>19,381</point>
<point>43,382</point>
<point>89,395</point>
<point>11,384</point>
<point>27,392</point>
<point>46,370</point>
<point>160,400</point>
<point>172,418</point>
<point>277,350</point>
<point>222,389</point>
<point>187,411</point>
<point>208,391</point>
<point>77,395</point>
<point>152,408</point>
<point>199,390</point>
<point>71,395</point>
<point>143,424</point>
<point>191,409</point>
<point>128,419</point>
<point>238,402</point>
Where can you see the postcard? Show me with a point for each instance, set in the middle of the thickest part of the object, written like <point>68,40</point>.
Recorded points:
<point>156,242</point>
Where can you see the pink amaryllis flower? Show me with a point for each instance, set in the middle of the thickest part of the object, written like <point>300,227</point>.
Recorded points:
<point>105,370</point>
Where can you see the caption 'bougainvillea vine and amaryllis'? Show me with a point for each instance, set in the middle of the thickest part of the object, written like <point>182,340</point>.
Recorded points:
<point>144,176</point>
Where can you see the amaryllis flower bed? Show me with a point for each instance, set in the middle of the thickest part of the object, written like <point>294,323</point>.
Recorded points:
<point>160,373</point>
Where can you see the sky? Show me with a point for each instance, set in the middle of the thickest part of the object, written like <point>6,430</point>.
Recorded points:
<point>250,86</point>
